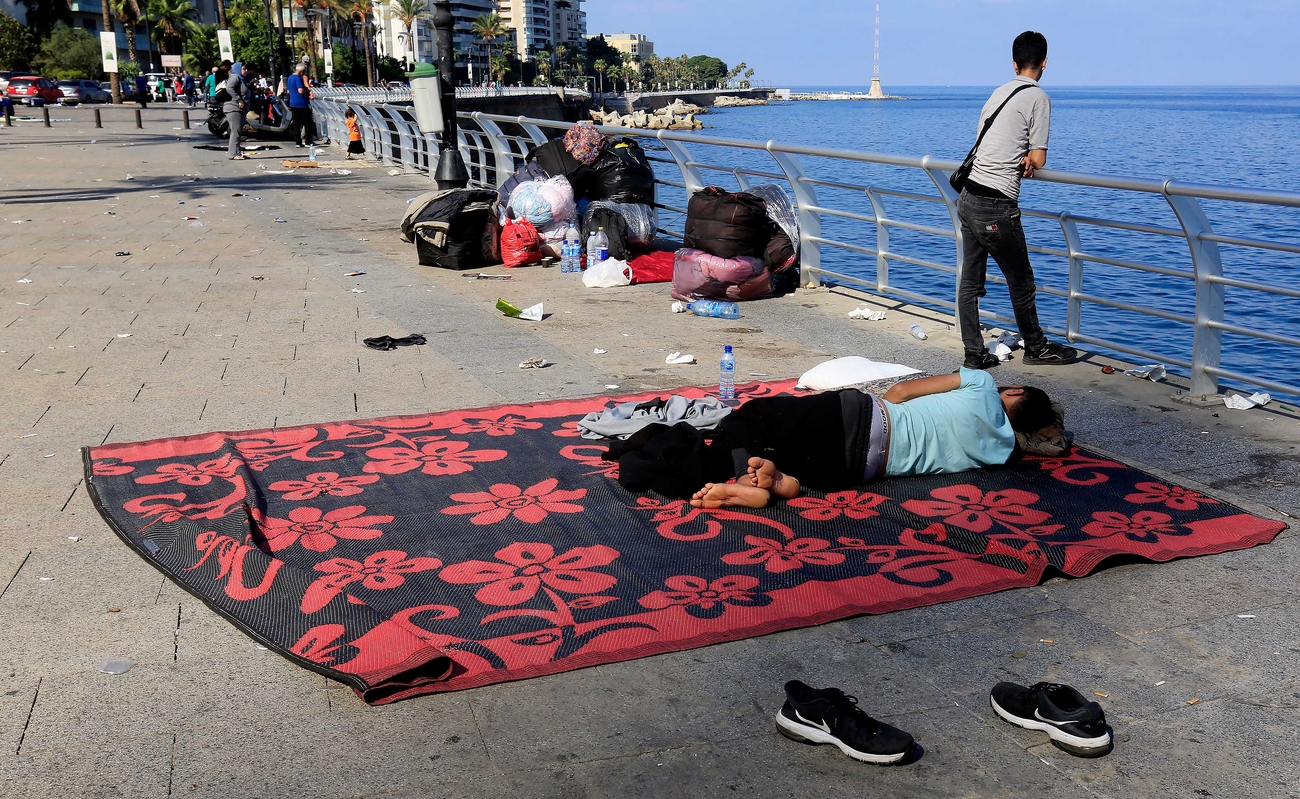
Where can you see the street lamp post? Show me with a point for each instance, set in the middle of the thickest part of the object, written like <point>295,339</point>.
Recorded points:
<point>451,172</point>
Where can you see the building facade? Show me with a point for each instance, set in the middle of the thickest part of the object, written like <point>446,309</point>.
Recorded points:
<point>634,45</point>
<point>537,25</point>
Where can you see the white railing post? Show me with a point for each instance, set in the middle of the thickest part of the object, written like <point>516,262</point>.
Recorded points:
<point>1073,303</point>
<point>810,221</point>
<point>690,175</point>
<point>1207,341</point>
<point>882,241</point>
<point>505,159</point>
<point>950,198</point>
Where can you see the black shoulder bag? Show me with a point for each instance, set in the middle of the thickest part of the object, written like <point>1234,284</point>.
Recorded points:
<point>958,178</point>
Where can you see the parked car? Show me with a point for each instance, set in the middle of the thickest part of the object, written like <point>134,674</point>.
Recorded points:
<point>83,91</point>
<point>33,91</point>
<point>125,85</point>
<point>4,80</point>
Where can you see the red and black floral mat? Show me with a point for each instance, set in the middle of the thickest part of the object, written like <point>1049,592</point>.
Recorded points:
<point>430,553</point>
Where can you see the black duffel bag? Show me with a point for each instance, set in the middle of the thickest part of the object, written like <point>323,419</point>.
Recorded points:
<point>623,174</point>
<point>727,225</point>
<point>448,227</point>
<point>615,230</point>
<point>556,160</point>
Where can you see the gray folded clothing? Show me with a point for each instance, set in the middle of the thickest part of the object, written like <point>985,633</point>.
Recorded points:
<point>623,420</point>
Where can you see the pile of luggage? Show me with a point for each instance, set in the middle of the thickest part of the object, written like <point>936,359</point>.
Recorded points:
<point>579,182</point>
<point>738,246</point>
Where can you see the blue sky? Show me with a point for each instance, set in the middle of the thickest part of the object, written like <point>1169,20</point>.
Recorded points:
<point>968,42</point>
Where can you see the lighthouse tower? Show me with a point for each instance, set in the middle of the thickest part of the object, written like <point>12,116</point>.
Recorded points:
<point>876,91</point>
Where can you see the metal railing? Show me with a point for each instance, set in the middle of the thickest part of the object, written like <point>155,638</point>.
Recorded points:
<point>361,94</point>
<point>493,146</point>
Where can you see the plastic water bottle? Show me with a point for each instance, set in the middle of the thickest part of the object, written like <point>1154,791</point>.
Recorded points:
<point>918,332</point>
<point>602,247</point>
<point>571,254</point>
<point>727,375</point>
<point>312,157</point>
<point>717,308</point>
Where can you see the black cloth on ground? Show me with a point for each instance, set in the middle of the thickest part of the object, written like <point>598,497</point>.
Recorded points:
<point>390,343</point>
<point>820,439</point>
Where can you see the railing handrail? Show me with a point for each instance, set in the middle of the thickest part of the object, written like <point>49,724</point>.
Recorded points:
<point>491,152</point>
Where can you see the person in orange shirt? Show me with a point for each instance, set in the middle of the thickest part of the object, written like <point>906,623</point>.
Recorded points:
<point>355,147</point>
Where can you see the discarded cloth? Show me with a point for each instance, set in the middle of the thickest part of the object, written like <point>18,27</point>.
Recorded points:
<point>623,420</point>
<point>389,343</point>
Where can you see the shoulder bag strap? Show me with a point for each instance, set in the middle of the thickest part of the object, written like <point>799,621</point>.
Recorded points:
<point>988,123</point>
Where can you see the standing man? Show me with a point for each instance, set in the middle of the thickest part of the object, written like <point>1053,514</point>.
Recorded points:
<point>187,85</point>
<point>300,106</point>
<point>1014,146</point>
<point>142,91</point>
<point>210,84</point>
<point>237,106</point>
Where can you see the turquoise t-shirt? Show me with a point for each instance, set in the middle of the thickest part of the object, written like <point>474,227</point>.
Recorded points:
<point>950,432</point>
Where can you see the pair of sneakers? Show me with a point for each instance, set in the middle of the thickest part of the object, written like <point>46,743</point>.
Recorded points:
<point>829,716</point>
<point>1048,354</point>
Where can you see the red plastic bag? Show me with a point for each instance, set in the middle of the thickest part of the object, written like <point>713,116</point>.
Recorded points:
<point>520,244</point>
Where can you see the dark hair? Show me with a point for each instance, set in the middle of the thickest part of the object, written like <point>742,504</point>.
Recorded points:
<point>349,112</point>
<point>1033,411</point>
<point>1029,49</point>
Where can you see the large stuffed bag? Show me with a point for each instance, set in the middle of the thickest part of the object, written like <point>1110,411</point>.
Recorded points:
<point>700,276</point>
<point>624,174</point>
<point>727,225</point>
<point>556,161</point>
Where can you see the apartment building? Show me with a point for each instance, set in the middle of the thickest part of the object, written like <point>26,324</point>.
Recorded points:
<point>634,45</point>
<point>537,25</point>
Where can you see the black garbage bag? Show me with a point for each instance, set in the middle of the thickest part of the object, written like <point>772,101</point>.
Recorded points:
<point>727,225</point>
<point>624,174</point>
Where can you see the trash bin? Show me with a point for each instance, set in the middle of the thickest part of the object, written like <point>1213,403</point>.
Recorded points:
<point>426,92</point>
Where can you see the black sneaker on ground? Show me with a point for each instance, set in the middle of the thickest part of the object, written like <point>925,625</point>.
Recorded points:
<point>1073,723</point>
<point>1051,354</point>
<point>828,716</point>
<point>980,360</point>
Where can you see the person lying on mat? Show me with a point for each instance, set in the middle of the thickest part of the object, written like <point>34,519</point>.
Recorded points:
<point>830,441</point>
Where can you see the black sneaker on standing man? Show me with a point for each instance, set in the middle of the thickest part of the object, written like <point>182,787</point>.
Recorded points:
<point>1014,146</point>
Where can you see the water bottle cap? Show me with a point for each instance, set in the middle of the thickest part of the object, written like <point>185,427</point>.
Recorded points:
<point>726,348</point>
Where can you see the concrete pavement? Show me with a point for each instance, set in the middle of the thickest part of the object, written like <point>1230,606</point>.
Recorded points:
<point>182,337</point>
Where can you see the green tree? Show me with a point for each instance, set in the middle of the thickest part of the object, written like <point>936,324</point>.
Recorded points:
<point>409,12</point>
<point>349,64</point>
<point>488,28</point>
<point>706,70</point>
<point>598,48</point>
<point>202,50</point>
<point>390,69</point>
<point>43,15</point>
<point>363,11</point>
<point>127,13</point>
<point>600,66</point>
<point>17,44</point>
<point>250,37</point>
<point>69,54</point>
<point>173,21</point>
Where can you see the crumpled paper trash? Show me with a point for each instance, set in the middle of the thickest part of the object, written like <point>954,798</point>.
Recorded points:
<point>867,314</point>
<point>1155,372</point>
<point>678,358</point>
<point>680,307</point>
<point>1240,403</point>
<point>1002,351</point>
<point>535,363</point>
<point>533,313</point>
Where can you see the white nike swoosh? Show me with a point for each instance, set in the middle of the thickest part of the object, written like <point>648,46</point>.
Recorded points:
<point>821,725</point>
<point>1039,716</point>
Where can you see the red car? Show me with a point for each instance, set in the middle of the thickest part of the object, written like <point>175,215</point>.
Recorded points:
<point>34,91</point>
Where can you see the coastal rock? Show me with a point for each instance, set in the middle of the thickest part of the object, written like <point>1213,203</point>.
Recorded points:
<point>612,118</point>
<point>639,119</point>
<point>658,122</point>
<point>731,101</point>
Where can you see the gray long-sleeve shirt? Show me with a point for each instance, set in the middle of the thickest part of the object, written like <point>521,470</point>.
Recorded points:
<point>623,420</point>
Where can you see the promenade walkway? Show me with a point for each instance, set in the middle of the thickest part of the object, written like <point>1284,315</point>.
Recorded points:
<point>236,320</point>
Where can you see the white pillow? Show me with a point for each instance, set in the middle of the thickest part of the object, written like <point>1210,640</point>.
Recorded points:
<point>851,371</point>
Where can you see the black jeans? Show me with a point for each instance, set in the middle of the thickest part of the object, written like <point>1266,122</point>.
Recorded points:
<point>991,226</point>
<point>303,125</point>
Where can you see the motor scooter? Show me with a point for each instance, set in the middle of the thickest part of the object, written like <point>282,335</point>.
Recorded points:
<point>256,126</point>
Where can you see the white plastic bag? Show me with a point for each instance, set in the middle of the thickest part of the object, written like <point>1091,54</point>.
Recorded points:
<point>608,274</point>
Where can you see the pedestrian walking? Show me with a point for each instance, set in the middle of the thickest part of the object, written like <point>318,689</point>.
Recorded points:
<point>210,83</point>
<point>236,106</point>
<point>355,147</point>
<point>1013,128</point>
<point>187,87</point>
<point>160,90</point>
<point>303,126</point>
<point>142,91</point>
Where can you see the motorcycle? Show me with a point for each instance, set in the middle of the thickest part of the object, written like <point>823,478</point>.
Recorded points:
<point>257,126</point>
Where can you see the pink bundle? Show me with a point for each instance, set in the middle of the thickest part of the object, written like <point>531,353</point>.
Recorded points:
<point>700,276</point>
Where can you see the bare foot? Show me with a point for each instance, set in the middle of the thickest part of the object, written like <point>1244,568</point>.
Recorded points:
<point>730,495</point>
<point>764,474</point>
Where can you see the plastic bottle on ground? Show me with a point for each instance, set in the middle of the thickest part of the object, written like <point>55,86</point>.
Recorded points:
<point>716,308</point>
<point>917,331</point>
<point>590,250</point>
<point>602,247</point>
<point>727,375</point>
<point>572,250</point>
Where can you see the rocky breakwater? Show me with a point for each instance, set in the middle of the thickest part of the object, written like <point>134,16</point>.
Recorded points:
<point>678,116</point>
<point>731,101</point>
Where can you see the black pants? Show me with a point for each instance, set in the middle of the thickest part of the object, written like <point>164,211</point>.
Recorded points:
<point>991,226</point>
<point>302,125</point>
<point>804,436</point>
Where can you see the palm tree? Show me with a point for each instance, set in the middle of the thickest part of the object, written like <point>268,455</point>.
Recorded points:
<point>410,12</point>
<point>310,47</point>
<point>201,50</point>
<point>600,66</point>
<point>128,13</point>
<point>363,11</point>
<point>174,21</point>
<point>489,28</point>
